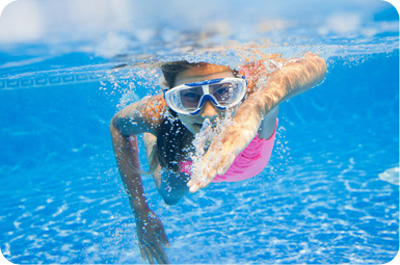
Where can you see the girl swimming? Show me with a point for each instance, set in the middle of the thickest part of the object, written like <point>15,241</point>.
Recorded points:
<point>198,98</point>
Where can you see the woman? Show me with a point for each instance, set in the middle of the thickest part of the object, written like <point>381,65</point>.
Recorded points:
<point>199,97</point>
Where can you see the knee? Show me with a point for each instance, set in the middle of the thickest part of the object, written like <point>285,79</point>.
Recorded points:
<point>173,191</point>
<point>171,200</point>
<point>173,197</point>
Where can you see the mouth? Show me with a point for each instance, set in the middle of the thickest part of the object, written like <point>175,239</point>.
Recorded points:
<point>200,125</point>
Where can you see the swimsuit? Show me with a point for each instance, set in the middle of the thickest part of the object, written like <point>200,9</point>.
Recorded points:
<point>249,163</point>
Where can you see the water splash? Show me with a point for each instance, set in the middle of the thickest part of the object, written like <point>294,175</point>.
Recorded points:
<point>201,143</point>
<point>202,140</point>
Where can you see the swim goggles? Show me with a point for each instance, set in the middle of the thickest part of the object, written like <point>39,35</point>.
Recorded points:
<point>189,98</point>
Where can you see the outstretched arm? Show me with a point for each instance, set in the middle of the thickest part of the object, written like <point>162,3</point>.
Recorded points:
<point>291,79</point>
<point>125,125</point>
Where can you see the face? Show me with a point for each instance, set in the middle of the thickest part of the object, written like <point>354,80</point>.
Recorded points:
<point>200,73</point>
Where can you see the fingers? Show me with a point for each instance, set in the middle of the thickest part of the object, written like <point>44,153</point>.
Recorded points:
<point>159,254</point>
<point>194,187</point>
<point>194,184</point>
<point>163,238</point>
<point>153,251</point>
<point>142,252</point>
<point>146,250</point>
<point>223,165</point>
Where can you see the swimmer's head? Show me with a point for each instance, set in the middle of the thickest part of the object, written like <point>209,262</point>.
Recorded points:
<point>183,72</point>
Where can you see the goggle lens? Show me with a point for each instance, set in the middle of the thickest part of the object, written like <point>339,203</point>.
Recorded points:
<point>224,93</point>
<point>191,97</point>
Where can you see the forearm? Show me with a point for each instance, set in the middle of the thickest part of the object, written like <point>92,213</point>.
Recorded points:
<point>140,117</point>
<point>292,79</point>
<point>127,158</point>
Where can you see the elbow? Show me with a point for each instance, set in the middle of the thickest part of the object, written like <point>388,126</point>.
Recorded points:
<point>321,67</point>
<point>115,126</point>
<point>317,65</point>
<point>113,123</point>
<point>118,121</point>
<point>114,130</point>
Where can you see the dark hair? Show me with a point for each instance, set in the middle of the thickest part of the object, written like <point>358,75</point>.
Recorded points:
<point>173,139</point>
<point>174,143</point>
<point>172,69</point>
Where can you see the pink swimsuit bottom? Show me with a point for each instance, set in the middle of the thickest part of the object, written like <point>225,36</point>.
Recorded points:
<point>249,163</point>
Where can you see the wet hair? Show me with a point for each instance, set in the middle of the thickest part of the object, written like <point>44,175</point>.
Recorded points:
<point>174,144</point>
<point>173,139</point>
<point>172,69</point>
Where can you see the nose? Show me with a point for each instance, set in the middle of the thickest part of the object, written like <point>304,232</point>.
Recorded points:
<point>208,110</point>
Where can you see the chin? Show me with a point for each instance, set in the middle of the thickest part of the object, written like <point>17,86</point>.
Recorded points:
<point>194,129</point>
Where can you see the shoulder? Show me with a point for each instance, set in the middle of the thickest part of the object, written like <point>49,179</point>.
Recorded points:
<point>145,115</point>
<point>151,108</point>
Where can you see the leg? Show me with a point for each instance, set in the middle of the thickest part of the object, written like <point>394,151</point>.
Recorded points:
<point>268,123</point>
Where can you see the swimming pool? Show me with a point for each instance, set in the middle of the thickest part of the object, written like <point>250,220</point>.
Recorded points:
<point>330,193</point>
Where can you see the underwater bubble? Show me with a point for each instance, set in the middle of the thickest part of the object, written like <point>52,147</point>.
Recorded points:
<point>390,175</point>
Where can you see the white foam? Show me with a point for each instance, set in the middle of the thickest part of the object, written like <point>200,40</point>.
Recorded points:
<point>390,175</point>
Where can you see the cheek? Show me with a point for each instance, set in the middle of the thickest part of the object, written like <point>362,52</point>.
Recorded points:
<point>188,123</point>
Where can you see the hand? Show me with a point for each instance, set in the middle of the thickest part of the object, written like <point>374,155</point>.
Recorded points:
<point>151,236</point>
<point>217,160</point>
<point>220,155</point>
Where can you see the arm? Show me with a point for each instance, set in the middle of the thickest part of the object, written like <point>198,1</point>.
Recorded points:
<point>140,117</point>
<point>290,80</point>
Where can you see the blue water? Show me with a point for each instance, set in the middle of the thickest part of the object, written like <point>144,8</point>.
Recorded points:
<point>320,200</point>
